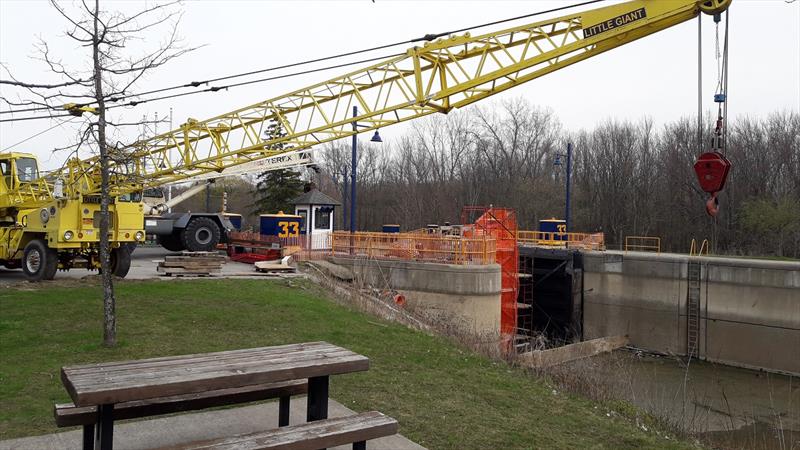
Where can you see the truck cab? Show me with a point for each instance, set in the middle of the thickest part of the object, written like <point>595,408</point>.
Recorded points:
<point>45,227</point>
<point>16,169</point>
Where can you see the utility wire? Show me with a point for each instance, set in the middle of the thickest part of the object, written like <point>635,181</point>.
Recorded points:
<point>18,119</point>
<point>194,84</point>
<point>39,134</point>
<point>243,83</point>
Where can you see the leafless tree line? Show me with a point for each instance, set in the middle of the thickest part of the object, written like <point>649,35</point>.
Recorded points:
<point>629,178</point>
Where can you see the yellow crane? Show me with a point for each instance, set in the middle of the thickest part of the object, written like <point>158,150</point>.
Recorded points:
<point>50,222</point>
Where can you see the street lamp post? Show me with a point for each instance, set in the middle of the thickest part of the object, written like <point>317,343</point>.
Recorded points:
<point>353,167</point>
<point>557,162</point>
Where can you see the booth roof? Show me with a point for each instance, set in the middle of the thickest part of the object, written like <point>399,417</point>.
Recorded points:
<point>314,197</point>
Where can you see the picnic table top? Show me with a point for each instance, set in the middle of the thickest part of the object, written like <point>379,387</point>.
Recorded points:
<point>117,382</point>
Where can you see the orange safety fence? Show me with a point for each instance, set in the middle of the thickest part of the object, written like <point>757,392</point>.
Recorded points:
<point>583,241</point>
<point>414,247</point>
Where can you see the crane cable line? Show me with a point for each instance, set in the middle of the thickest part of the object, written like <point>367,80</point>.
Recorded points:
<point>194,84</point>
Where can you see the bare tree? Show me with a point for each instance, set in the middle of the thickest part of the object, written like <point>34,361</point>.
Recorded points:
<point>107,77</point>
<point>630,178</point>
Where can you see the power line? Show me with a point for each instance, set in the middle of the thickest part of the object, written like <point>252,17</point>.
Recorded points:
<point>243,83</point>
<point>18,119</point>
<point>39,134</point>
<point>35,108</point>
<point>427,37</point>
<point>194,84</point>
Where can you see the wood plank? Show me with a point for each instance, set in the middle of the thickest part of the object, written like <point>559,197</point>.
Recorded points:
<point>178,374</point>
<point>163,363</point>
<point>198,382</point>
<point>235,365</point>
<point>190,264</point>
<point>307,436</point>
<point>188,270</point>
<point>68,414</point>
<point>149,362</point>
<point>572,352</point>
<point>161,377</point>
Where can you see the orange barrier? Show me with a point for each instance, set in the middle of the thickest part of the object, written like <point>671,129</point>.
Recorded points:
<point>584,241</point>
<point>414,247</point>
<point>501,224</point>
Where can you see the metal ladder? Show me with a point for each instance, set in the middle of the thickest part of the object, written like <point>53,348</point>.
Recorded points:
<point>693,310</point>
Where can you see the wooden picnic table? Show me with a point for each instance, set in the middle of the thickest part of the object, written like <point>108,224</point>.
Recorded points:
<point>106,384</point>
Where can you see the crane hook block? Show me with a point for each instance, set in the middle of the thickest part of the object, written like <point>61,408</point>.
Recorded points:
<point>712,170</point>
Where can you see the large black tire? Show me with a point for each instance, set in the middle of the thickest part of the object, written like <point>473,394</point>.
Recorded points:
<point>120,261</point>
<point>201,235</point>
<point>39,262</point>
<point>170,242</point>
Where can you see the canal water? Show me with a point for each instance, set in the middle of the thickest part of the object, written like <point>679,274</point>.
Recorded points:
<point>727,407</point>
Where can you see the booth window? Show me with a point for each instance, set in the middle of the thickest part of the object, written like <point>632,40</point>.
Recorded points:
<point>322,218</point>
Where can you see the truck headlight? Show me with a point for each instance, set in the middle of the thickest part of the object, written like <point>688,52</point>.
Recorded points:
<point>44,215</point>
<point>68,235</point>
<point>139,235</point>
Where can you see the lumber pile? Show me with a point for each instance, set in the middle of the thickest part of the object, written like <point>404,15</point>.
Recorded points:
<point>276,266</point>
<point>192,264</point>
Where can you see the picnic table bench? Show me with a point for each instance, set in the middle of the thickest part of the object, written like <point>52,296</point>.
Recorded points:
<point>105,392</point>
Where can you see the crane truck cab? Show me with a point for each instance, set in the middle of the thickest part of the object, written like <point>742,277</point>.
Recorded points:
<point>45,228</point>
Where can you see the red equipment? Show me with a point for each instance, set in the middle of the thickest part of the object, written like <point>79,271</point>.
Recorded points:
<point>712,170</point>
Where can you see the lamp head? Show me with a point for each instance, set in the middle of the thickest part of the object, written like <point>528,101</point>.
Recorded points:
<point>376,137</point>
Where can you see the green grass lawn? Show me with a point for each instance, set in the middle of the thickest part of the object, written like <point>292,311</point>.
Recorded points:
<point>443,396</point>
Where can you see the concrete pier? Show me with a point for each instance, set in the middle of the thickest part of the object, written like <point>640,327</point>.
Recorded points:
<point>470,292</point>
<point>749,309</point>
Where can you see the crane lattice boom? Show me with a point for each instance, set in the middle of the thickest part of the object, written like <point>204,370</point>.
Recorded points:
<point>435,78</point>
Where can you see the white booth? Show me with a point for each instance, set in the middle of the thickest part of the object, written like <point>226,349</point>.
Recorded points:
<point>317,210</point>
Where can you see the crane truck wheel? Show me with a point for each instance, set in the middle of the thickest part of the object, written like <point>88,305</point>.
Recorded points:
<point>39,262</point>
<point>120,262</point>
<point>201,235</point>
<point>170,242</point>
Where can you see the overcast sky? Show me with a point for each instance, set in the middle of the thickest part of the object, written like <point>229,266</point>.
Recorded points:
<point>655,76</point>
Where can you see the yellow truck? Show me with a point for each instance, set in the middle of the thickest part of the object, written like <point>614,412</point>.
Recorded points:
<point>43,230</point>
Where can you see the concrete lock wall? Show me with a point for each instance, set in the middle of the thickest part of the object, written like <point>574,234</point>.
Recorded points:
<point>749,309</point>
<point>471,293</point>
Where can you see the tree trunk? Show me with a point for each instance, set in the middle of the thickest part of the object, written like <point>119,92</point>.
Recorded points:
<point>109,302</point>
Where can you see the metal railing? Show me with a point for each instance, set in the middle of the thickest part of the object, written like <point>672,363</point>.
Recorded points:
<point>414,247</point>
<point>693,251</point>
<point>584,241</point>
<point>643,244</point>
